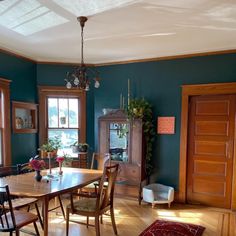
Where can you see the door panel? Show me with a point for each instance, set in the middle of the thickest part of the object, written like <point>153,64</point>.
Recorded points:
<point>210,150</point>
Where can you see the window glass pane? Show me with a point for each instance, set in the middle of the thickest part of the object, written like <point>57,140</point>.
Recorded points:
<point>63,112</point>
<point>73,113</point>
<point>119,141</point>
<point>52,113</point>
<point>67,137</point>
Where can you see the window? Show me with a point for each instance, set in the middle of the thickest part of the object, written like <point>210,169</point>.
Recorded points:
<point>5,134</point>
<point>63,121</point>
<point>62,114</point>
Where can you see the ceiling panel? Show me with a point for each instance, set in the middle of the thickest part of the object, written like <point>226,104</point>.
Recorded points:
<point>48,30</point>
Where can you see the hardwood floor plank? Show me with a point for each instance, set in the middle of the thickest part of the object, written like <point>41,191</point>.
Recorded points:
<point>132,219</point>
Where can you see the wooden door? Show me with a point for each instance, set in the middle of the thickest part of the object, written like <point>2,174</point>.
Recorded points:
<point>210,150</point>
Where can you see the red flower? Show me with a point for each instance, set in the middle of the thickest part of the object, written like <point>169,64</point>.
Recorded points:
<point>37,164</point>
<point>60,159</point>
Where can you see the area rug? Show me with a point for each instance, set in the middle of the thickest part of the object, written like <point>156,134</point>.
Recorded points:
<point>170,228</point>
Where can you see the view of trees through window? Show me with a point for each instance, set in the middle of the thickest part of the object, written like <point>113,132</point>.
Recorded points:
<point>63,122</point>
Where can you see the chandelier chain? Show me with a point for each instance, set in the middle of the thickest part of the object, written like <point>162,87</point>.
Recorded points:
<point>82,45</point>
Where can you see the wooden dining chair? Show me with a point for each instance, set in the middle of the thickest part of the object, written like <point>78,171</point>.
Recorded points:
<point>13,220</point>
<point>19,203</point>
<point>96,207</point>
<point>101,159</point>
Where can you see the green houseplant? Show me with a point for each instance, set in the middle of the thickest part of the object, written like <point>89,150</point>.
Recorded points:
<point>79,147</point>
<point>142,109</point>
<point>51,146</point>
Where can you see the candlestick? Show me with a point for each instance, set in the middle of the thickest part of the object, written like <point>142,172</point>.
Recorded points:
<point>123,106</point>
<point>49,163</point>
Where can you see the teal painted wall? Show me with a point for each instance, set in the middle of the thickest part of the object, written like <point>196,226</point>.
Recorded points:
<point>22,73</point>
<point>160,83</point>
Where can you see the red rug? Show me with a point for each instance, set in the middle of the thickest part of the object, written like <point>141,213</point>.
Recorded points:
<point>170,228</point>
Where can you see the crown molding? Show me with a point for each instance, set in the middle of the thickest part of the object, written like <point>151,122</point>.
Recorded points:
<point>164,58</point>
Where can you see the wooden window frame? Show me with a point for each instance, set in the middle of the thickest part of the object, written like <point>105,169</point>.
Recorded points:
<point>6,121</point>
<point>54,91</point>
<point>187,92</point>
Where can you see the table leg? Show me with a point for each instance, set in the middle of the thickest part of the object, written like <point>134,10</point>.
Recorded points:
<point>45,215</point>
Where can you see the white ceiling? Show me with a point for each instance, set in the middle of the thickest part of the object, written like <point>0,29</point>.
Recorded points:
<point>116,30</point>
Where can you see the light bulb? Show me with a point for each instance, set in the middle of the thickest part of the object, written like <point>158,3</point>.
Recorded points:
<point>76,81</point>
<point>87,87</point>
<point>96,84</point>
<point>68,85</point>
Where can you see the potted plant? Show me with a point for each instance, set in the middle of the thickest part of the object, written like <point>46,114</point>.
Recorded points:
<point>79,147</point>
<point>51,146</point>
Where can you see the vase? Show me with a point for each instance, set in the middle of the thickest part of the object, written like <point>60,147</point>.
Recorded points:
<point>38,175</point>
<point>60,168</point>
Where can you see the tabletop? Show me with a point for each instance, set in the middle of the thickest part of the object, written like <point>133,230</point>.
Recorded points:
<point>72,178</point>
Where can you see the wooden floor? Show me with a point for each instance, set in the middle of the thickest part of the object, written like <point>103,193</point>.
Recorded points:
<point>132,219</point>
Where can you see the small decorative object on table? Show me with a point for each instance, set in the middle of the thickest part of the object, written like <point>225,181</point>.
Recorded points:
<point>60,161</point>
<point>37,165</point>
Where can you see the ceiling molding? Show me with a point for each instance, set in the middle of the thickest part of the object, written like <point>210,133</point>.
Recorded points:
<point>16,55</point>
<point>201,54</point>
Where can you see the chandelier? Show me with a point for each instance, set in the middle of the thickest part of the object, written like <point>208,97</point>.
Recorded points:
<point>79,76</point>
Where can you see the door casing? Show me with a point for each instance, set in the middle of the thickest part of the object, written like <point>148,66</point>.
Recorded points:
<point>187,92</point>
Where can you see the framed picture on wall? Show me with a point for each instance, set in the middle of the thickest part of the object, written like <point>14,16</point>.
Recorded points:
<point>166,125</point>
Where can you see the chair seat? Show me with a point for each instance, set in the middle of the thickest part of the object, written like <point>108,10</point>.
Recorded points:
<point>84,204</point>
<point>92,185</point>
<point>22,218</point>
<point>21,202</point>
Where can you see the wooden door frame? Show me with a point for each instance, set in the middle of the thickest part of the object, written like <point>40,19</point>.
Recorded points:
<point>187,92</point>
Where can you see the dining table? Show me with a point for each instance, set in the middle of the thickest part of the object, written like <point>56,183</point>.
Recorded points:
<point>25,185</point>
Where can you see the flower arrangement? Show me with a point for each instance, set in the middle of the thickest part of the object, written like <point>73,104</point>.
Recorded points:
<point>36,164</point>
<point>60,159</point>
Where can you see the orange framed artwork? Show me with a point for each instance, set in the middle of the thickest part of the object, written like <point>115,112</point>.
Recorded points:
<point>166,125</point>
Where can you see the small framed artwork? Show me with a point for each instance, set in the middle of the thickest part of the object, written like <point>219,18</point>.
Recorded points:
<point>166,125</point>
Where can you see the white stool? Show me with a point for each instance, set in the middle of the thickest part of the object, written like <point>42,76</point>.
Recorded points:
<point>158,194</point>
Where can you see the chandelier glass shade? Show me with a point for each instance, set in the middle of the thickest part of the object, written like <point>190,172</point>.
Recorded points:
<point>79,77</point>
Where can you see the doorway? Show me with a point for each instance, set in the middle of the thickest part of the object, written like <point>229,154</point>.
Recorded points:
<point>210,149</point>
<point>187,92</point>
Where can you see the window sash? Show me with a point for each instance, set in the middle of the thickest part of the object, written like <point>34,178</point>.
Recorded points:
<point>46,92</point>
<point>67,117</point>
